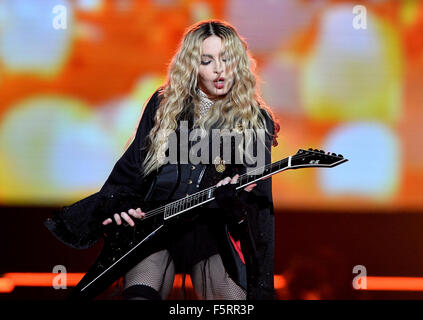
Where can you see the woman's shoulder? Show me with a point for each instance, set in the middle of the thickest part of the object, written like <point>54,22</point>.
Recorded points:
<point>157,95</point>
<point>267,114</point>
<point>153,102</point>
<point>272,123</point>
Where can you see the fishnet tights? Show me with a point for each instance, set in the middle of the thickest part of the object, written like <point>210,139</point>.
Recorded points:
<point>209,277</point>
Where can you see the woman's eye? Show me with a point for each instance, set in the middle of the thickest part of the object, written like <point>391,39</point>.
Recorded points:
<point>205,62</point>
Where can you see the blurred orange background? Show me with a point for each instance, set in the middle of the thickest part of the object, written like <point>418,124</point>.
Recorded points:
<point>341,78</point>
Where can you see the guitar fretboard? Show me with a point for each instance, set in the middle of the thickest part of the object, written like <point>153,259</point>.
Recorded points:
<point>174,208</point>
<point>302,159</point>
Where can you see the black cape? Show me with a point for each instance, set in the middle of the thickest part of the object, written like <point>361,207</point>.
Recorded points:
<point>79,225</point>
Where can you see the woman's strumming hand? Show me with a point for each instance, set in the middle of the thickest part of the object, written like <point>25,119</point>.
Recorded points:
<point>126,216</point>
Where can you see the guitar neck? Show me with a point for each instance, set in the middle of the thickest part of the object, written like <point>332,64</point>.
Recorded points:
<point>303,159</point>
<point>206,195</point>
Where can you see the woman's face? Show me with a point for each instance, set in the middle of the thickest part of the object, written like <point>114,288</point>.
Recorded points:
<point>214,78</point>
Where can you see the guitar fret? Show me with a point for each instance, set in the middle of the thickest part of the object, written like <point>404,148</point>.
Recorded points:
<point>206,194</point>
<point>244,179</point>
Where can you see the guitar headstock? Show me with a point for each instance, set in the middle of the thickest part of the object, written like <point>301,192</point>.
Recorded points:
<point>316,158</point>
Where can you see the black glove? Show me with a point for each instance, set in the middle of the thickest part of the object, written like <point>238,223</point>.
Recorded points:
<point>233,203</point>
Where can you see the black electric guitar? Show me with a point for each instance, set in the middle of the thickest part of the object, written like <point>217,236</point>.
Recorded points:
<point>126,246</point>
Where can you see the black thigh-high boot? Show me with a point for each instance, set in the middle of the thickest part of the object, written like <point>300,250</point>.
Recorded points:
<point>140,292</point>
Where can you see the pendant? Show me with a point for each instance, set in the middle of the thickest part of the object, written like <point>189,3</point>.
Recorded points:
<point>239,128</point>
<point>219,164</point>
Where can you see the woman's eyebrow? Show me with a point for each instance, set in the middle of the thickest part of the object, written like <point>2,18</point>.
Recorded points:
<point>210,56</point>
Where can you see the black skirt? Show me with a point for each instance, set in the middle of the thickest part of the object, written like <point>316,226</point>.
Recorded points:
<point>191,238</point>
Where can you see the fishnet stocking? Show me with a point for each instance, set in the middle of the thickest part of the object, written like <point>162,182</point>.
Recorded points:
<point>156,271</point>
<point>212,282</point>
<point>209,277</point>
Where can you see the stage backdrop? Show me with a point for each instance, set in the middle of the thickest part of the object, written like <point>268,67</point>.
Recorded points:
<point>342,77</point>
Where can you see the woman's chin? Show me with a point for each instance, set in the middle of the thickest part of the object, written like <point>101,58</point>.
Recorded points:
<point>217,93</point>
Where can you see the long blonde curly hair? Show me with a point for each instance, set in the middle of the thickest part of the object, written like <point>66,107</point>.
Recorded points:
<point>240,107</point>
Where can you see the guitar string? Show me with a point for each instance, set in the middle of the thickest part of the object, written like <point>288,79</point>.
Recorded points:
<point>175,204</point>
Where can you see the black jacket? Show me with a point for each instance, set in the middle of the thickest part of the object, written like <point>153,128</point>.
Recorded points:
<point>79,225</point>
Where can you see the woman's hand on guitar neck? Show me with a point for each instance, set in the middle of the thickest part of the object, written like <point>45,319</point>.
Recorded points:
<point>233,205</point>
<point>125,216</point>
<point>235,180</point>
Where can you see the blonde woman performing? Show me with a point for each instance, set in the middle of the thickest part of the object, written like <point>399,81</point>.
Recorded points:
<point>226,245</point>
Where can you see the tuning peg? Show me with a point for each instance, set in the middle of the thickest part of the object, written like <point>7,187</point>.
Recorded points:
<point>340,155</point>
<point>310,149</point>
<point>333,154</point>
<point>322,151</point>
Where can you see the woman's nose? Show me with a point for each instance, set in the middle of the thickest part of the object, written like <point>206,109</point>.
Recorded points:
<point>218,67</point>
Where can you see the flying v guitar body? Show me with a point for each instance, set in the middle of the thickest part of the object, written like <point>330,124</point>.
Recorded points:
<point>124,246</point>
